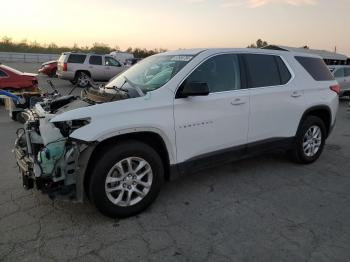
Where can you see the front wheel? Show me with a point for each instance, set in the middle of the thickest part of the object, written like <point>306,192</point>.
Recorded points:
<point>126,179</point>
<point>309,141</point>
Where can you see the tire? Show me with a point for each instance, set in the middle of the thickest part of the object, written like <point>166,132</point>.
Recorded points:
<point>308,144</point>
<point>82,79</point>
<point>117,158</point>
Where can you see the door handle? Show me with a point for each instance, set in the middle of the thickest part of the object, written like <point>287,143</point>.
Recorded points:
<point>295,94</point>
<point>238,102</point>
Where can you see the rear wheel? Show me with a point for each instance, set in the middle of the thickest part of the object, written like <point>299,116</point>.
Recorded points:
<point>310,141</point>
<point>82,79</point>
<point>126,179</point>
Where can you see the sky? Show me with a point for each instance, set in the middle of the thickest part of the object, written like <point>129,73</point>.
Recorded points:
<point>174,24</point>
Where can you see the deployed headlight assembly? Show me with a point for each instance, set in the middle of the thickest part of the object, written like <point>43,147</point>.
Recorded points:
<point>67,127</point>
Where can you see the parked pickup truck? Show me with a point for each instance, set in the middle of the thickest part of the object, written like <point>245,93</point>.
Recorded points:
<point>171,113</point>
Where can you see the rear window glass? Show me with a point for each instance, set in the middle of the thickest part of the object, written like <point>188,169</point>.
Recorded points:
<point>316,67</point>
<point>347,71</point>
<point>266,70</point>
<point>77,59</point>
<point>339,72</point>
<point>2,74</point>
<point>95,60</point>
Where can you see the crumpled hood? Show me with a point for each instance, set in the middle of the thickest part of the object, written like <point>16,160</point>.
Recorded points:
<point>80,109</point>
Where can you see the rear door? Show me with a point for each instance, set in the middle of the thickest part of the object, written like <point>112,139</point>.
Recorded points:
<point>96,67</point>
<point>275,106</point>
<point>113,67</point>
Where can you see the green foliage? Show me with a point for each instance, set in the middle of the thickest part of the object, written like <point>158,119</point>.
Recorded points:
<point>259,44</point>
<point>7,45</point>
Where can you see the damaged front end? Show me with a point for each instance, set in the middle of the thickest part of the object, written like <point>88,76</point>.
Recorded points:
<point>47,157</point>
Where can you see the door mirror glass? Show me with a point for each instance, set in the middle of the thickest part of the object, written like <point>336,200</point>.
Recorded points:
<point>194,89</point>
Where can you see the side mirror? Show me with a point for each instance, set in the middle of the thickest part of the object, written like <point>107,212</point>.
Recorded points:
<point>194,89</point>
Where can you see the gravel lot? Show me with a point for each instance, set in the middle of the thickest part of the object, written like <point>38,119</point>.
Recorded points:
<point>261,209</point>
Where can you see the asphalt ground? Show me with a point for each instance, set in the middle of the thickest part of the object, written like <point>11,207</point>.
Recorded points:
<point>261,209</point>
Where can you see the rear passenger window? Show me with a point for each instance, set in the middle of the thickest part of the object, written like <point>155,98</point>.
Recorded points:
<point>339,72</point>
<point>76,59</point>
<point>95,60</point>
<point>3,74</point>
<point>316,67</point>
<point>266,70</point>
<point>221,73</point>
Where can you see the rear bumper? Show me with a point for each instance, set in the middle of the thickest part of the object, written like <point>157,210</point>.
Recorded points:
<point>65,75</point>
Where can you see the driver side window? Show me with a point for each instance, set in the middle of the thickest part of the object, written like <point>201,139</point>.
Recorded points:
<point>220,72</point>
<point>109,61</point>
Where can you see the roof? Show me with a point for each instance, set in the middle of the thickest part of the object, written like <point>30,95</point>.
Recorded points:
<point>323,53</point>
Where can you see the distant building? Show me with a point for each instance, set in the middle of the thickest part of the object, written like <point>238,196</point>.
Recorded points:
<point>330,58</point>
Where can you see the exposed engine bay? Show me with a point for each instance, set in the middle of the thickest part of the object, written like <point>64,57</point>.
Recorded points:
<point>47,157</point>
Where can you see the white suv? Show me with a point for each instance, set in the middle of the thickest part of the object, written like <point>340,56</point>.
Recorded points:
<point>342,75</point>
<point>78,68</point>
<point>174,112</point>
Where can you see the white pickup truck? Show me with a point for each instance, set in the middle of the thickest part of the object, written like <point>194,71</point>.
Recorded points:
<point>174,112</point>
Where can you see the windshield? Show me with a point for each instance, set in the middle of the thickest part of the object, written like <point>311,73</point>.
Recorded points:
<point>151,73</point>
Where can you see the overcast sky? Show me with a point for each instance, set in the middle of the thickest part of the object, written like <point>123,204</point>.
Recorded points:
<point>173,24</point>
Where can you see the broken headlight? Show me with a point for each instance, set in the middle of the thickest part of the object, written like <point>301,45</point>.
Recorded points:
<point>67,127</point>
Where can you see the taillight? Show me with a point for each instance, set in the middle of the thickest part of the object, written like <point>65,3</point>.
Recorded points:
<point>64,68</point>
<point>335,88</point>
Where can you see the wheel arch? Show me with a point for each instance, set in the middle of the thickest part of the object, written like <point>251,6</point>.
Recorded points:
<point>323,112</point>
<point>83,71</point>
<point>150,138</point>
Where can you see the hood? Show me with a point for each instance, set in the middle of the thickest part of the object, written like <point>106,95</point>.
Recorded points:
<point>107,109</point>
<point>49,62</point>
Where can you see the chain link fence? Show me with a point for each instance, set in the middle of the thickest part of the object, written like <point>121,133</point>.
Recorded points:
<point>27,57</point>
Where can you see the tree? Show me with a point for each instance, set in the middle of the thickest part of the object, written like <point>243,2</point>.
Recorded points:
<point>259,44</point>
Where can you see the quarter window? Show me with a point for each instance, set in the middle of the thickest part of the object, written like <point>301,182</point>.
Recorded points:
<point>221,73</point>
<point>95,60</point>
<point>266,70</point>
<point>2,74</point>
<point>76,59</point>
<point>316,67</point>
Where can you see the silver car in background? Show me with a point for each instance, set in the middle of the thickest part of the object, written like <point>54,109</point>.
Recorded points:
<point>78,68</point>
<point>342,75</point>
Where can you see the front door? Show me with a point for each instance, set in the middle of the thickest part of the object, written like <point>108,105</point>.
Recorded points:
<point>206,125</point>
<point>113,67</point>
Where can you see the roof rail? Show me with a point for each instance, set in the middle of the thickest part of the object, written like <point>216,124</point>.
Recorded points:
<point>274,47</point>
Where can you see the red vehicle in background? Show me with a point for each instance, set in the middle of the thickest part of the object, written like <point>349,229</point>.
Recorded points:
<point>12,79</point>
<point>49,68</point>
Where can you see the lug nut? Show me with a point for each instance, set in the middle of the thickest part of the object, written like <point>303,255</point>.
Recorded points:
<point>134,183</point>
<point>124,185</point>
<point>134,177</point>
<point>129,187</point>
